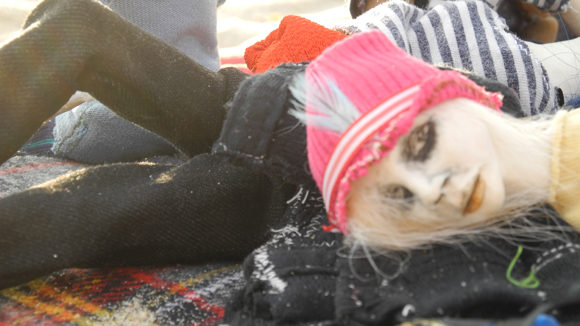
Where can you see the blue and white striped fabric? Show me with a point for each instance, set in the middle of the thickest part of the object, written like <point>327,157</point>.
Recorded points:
<point>466,35</point>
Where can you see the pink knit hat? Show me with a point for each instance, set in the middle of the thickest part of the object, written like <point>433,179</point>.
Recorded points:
<point>389,88</point>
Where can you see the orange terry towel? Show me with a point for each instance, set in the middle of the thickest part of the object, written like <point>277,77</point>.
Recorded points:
<point>297,39</point>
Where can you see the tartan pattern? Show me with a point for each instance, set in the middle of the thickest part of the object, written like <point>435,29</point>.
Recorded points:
<point>21,172</point>
<point>181,295</point>
<point>171,296</point>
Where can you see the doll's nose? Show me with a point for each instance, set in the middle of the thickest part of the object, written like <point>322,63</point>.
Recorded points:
<point>456,190</point>
<point>430,189</point>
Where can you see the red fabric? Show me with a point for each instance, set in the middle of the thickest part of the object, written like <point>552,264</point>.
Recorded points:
<point>174,295</point>
<point>297,39</point>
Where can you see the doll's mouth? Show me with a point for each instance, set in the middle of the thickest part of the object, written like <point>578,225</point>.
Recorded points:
<point>476,197</point>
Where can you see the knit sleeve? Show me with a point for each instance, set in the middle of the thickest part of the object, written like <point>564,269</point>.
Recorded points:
<point>466,35</point>
<point>564,169</point>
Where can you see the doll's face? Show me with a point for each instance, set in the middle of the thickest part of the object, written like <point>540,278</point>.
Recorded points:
<point>444,173</point>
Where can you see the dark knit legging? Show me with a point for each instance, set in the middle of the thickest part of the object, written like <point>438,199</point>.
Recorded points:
<point>123,214</point>
<point>67,46</point>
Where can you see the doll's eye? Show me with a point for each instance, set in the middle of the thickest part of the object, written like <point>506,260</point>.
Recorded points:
<point>398,193</point>
<point>420,142</point>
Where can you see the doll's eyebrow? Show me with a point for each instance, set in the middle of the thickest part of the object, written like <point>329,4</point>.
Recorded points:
<point>420,142</point>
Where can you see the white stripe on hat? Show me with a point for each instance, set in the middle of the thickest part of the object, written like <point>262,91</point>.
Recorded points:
<point>357,135</point>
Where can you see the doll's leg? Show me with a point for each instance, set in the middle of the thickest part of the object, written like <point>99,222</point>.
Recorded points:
<point>92,133</point>
<point>134,214</point>
<point>562,63</point>
<point>81,45</point>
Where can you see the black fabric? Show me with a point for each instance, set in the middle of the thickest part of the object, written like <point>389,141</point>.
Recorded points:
<point>466,283</point>
<point>124,214</point>
<point>67,46</point>
<point>208,209</point>
<point>510,101</point>
<point>292,279</point>
<point>138,214</point>
<point>260,133</point>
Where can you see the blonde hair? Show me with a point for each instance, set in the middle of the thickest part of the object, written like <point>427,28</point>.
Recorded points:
<point>378,222</point>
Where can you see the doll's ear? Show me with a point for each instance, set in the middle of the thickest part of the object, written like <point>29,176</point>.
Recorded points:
<point>357,7</point>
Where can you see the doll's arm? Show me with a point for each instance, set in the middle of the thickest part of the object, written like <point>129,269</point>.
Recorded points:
<point>135,214</point>
<point>259,133</point>
<point>67,46</point>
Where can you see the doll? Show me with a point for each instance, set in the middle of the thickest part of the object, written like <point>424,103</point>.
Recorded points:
<point>411,155</point>
<point>211,209</point>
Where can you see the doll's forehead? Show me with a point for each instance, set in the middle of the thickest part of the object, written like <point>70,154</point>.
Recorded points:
<point>454,109</point>
<point>453,123</point>
<point>453,116</point>
<point>449,107</point>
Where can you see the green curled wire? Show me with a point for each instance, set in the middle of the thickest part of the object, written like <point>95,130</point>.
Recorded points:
<point>530,282</point>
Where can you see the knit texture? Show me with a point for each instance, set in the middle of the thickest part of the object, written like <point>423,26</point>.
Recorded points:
<point>124,214</point>
<point>138,214</point>
<point>190,26</point>
<point>466,35</point>
<point>259,131</point>
<point>293,280</point>
<point>464,282</point>
<point>168,296</point>
<point>261,134</point>
<point>93,134</point>
<point>564,172</point>
<point>389,88</point>
<point>297,39</point>
<point>140,77</point>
